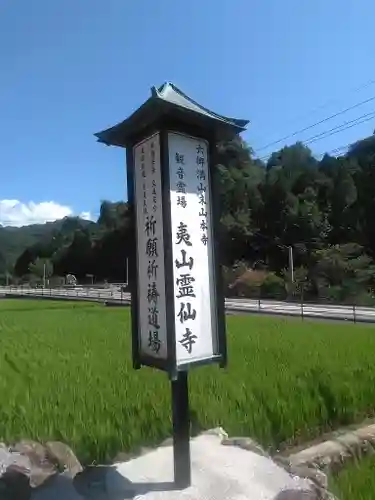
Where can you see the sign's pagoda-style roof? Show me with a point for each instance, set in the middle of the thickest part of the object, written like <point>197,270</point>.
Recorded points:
<point>170,102</point>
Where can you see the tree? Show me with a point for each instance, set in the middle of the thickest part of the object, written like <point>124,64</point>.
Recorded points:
<point>3,263</point>
<point>75,258</point>
<point>323,209</point>
<point>238,177</point>
<point>342,272</point>
<point>41,268</point>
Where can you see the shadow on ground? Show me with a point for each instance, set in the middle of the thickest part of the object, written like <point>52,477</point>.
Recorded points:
<point>92,484</point>
<point>105,483</point>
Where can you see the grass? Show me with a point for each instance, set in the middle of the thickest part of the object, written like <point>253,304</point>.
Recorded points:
<point>66,373</point>
<point>355,481</point>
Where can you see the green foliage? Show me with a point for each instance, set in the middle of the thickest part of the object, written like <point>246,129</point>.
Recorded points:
<point>273,287</point>
<point>287,380</point>
<point>23,245</point>
<point>15,240</point>
<point>320,208</point>
<point>355,481</point>
<point>342,272</point>
<point>3,263</point>
<point>41,268</point>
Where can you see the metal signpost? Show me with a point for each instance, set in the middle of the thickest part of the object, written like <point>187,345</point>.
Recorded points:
<point>177,302</point>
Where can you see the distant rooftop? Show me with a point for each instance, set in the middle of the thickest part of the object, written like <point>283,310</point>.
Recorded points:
<point>169,100</point>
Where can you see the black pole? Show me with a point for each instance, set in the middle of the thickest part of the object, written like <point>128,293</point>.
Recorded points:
<point>181,431</point>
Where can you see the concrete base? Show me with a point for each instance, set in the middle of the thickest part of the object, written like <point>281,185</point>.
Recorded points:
<point>218,473</point>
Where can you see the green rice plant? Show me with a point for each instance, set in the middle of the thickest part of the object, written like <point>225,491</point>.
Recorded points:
<point>355,481</point>
<point>66,373</point>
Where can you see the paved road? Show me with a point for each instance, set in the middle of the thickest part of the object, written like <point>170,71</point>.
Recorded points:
<point>348,313</point>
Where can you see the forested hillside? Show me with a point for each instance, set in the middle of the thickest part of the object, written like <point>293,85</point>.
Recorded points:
<point>14,240</point>
<point>323,208</point>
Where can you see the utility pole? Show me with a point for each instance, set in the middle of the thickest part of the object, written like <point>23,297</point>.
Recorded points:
<point>291,264</point>
<point>44,275</point>
<point>6,272</point>
<point>127,271</point>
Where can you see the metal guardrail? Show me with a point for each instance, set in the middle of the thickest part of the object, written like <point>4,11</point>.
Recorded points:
<point>116,295</point>
<point>71,292</point>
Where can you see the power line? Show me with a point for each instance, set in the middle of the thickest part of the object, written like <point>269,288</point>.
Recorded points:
<point>337,150</point>
<point>335,154</point>
<point>346,128</point>
<point>335,130</point>
<point>338,127</point>
<point>331,101</point>
<point>328,103</point>
<point>318,123</point>
<point>334,151</point>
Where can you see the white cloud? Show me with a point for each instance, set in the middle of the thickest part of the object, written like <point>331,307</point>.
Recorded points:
<point>16,213</point>
<point>85,215</point>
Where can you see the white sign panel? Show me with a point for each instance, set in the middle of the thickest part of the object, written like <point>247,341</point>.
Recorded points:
<point>150,250</point>
<point>194,291</point>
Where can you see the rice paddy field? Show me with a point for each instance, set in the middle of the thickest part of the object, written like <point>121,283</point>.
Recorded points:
<point>355,481</point>
<point>66,374</point>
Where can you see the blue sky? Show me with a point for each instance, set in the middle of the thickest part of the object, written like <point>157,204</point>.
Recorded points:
<point>72,68</point>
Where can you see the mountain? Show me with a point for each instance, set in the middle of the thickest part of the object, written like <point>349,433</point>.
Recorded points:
<point>14,240</point>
